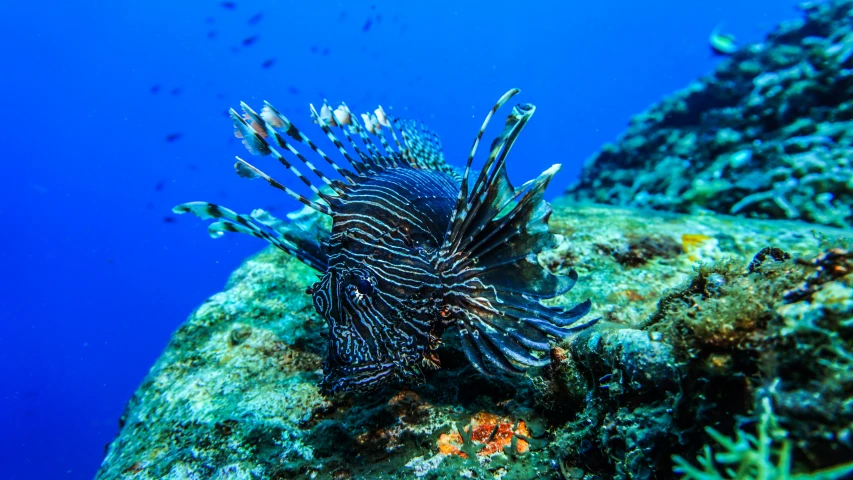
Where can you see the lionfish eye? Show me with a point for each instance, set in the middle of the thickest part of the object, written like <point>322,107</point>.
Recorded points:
<point>364,286</point>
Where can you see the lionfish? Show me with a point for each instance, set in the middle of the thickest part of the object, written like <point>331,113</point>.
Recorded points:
<point>415,248</point>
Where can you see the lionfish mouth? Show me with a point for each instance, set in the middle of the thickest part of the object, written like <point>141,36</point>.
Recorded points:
<point>413,223</point>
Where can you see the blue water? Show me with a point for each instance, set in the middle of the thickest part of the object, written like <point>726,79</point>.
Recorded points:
<point>95,278</point>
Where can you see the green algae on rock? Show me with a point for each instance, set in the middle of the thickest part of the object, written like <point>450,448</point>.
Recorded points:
<point>235,393</point>
<point>769,134</point>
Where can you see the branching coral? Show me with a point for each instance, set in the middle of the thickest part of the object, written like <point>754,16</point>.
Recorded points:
<point>763,456</point>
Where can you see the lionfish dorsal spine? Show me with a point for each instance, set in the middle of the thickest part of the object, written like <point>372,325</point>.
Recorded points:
<point>492,191</point>
<point>488,260</point>
<point>281,142</point>
<point>462,199</point>
<point>273,116</point>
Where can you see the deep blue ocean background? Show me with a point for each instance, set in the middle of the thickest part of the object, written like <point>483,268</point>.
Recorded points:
<point>97,272</point>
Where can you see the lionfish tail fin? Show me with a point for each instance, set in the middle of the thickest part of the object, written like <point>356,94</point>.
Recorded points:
<point>291,238</point>
<point>490,264</point>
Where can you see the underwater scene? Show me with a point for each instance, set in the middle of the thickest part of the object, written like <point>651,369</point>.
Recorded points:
<point>289,240</point>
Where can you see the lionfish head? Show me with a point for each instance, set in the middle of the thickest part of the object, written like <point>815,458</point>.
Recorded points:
<point>381,295</point>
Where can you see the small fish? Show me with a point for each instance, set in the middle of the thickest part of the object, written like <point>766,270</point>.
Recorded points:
<point>256,18</point>
<point>169,219</point>
<point>268,63</point>
<point>154,89</point>
<point>367,25</point>
<point>173,137</point>
<point>41,189</point>
<point>209,20</point>
<point>722,43</point>
<point>325,52</point>
<point>415,248</point>
<point>314,48</point>
<point>250,40</point>
<point>293,90</point>
<point>211,34</point>
<point>176,91</point>
<point>160,186</point>
<point>229,5</point>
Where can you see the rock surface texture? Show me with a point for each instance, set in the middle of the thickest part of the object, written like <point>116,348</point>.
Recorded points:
<point>697,331</point>
<point>769,134</point>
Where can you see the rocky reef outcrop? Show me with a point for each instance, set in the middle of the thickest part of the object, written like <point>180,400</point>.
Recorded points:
<point>707,322</point>
<point>769,134</point>
<point>724,349</point>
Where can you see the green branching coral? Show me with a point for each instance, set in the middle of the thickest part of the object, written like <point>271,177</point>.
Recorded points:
<point>764,456</point>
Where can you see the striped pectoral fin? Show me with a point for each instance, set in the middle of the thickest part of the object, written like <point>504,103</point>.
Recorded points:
<point>227,220</point>
<point>364,377</point>
<point>503,330</point>
<point>490,350</point>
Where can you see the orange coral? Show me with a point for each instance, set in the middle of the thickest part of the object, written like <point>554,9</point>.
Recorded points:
<point>480,429</point>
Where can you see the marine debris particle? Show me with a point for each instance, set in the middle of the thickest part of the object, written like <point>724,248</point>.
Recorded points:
<point>722,43</point>
<point>693,242</point>
<point>488,429</point>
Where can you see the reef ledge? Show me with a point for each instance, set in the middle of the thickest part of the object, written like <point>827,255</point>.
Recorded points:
<point>707,321</point>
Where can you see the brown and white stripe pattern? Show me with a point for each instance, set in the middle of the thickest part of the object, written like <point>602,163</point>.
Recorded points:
<point>411,251</point>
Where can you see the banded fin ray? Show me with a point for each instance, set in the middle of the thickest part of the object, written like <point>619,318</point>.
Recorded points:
<point>260,131</point>
<point>258,225</point>
<point>488,260</point>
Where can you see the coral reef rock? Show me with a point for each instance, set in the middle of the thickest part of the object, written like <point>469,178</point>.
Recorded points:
<point>710,324</point>
<point>768,135</point>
